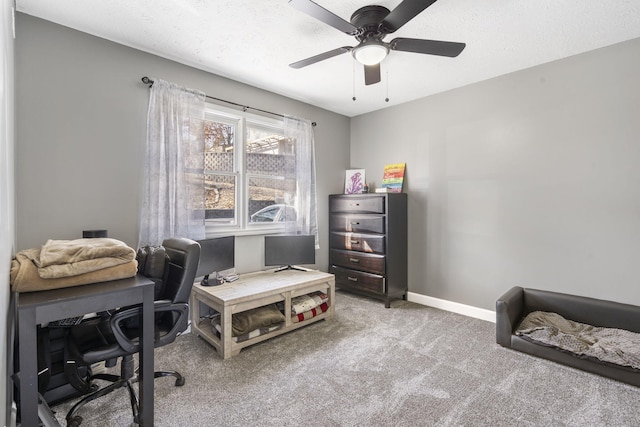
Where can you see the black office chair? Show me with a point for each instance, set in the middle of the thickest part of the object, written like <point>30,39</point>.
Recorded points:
<point>106,338</point>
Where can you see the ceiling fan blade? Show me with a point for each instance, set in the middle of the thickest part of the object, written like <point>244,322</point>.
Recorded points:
<point>371,74</point>
<point>321,57</point>
<point>322,14</point>
<point>430,47</point>
<point>404,12</point>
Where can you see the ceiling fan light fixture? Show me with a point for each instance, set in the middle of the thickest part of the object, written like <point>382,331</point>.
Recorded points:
<point>370,52</point>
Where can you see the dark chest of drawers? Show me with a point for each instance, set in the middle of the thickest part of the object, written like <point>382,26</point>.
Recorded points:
<point>368,244</point>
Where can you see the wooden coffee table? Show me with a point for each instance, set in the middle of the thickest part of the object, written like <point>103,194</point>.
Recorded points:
<point>256,290</point>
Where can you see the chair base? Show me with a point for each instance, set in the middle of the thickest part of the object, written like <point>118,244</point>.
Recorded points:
<point>179,378</point>
<point>74,420</point>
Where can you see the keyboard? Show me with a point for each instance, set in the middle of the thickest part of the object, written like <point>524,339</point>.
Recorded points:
<point>66,323</point>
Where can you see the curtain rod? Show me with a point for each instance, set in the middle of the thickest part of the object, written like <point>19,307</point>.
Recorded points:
<point>146,80</point>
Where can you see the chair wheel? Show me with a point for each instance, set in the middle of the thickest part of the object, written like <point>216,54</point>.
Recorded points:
<point>180,382</point>
<point>75,421</point>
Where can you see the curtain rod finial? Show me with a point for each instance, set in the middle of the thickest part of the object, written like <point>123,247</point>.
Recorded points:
<point>146,80</point>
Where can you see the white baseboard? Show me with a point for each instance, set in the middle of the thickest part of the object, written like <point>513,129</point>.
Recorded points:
<point>455,307</point>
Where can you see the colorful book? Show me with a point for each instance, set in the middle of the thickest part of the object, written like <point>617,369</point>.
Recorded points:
<point>393,177</point>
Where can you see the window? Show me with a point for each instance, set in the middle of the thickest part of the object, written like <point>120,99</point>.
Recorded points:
<point>249,172</point>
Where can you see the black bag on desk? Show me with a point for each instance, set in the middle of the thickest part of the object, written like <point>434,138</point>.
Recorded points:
<point>152,263</point>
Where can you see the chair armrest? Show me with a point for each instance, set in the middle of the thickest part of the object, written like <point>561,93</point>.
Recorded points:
<point>132,345</point>
<point>509,310</point>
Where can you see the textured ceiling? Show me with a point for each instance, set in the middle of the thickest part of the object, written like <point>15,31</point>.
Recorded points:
<point>253,41</point>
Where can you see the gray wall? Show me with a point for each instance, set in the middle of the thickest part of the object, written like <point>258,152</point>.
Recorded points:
<point>7,225</point>
<point>81,117</point>
<point>527,179</point>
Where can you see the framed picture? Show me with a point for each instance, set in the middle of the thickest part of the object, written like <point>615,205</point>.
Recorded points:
<point>354,181</point>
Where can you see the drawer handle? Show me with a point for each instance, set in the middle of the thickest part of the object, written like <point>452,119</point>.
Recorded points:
<point>352,279</point>
<point>354,204</point>
<point>355,223</point>
<point>355,260</point>
<point>354,242</point>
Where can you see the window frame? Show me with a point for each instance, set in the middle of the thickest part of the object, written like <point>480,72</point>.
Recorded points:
<point>242,120</point>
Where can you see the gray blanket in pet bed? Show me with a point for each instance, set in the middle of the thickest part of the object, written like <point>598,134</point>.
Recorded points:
<point>617,346</point>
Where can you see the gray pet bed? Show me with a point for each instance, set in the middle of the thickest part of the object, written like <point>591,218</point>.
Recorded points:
<point>576,320</point>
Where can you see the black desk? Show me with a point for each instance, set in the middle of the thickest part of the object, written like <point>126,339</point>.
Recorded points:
<point>35,308</point>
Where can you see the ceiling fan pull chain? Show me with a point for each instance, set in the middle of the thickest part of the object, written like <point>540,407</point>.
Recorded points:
<point>354,80</point>
<point>387,72</point>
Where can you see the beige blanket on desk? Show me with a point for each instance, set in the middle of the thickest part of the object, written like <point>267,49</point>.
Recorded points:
<point>24,275</point>
<point>65,258</point>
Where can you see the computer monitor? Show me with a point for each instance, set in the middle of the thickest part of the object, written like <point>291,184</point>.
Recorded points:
<point>216,255</point>
<point>286,251</point>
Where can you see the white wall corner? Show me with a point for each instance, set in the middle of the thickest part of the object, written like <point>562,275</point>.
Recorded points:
<point>454,307</point>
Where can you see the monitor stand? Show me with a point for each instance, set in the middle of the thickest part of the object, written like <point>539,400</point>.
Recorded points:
<point>215,282</point>
<point>290,267</point>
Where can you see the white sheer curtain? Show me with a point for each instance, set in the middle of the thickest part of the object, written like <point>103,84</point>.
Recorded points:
<point>301,131</point>
<point>173,188</point>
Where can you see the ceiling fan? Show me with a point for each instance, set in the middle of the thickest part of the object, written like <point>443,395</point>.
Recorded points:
<point>370,25</point>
